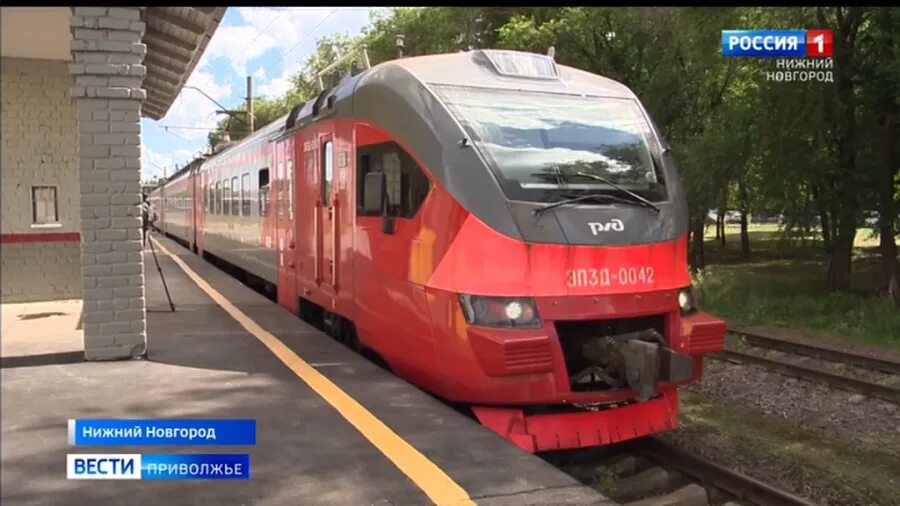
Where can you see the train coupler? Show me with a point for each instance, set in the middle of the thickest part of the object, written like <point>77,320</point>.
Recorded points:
<point>637,360</point>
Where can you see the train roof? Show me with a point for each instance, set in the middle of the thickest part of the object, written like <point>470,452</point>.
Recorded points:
<point>272,128</point>
<point>514,70</point>
<point>498,69</point>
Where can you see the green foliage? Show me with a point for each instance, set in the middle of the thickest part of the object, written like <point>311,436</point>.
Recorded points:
<point>785,286</point>
<point>265,110</point>
<point>604,480</point>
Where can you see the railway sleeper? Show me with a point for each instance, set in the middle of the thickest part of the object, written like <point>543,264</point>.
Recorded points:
<point>652,481</point>
<point>625,465</point>
<point>688,495</point>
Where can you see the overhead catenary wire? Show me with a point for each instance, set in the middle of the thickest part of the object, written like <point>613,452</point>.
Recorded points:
<point>200,128</point>
<point>295,46</point>
<point>260,34</point>
<point>281,58</point>
<point>248,46</point>
<point>166,130</point>
<point>212,76</point>
<point>304,39</point>
<point>284,54</point>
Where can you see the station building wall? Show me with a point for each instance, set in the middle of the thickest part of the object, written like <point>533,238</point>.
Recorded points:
<point>41,248</point>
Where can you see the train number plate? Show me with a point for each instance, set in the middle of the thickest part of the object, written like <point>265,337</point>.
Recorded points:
<point>624,276</point>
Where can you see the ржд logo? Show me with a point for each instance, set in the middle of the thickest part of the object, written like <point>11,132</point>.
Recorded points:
<point>614,224</point>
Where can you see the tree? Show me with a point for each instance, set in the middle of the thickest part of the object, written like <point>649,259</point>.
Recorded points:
<point>265,111</point>
<point>887,46</point>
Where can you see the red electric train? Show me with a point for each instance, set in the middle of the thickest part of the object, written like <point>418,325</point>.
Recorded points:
<point>503,231</point>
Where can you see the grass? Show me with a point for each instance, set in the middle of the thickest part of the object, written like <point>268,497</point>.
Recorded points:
<point>784,284</point>
<point>604,480</point>
<point>856,475</point>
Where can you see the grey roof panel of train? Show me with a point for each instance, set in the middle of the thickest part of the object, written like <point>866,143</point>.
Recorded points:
<point>475,68</point>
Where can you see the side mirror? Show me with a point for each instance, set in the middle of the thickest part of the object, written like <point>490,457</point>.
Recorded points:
<point>375,192</point>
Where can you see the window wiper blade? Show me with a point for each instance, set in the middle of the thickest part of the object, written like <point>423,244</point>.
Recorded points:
<point>587,196</point>
<point>630,193</point>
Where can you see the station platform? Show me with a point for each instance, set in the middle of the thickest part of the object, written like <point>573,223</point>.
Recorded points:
<point>332,428</point>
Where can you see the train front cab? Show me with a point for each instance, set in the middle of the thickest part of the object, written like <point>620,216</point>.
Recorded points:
<point>564,327</point>
<point>553,380</point>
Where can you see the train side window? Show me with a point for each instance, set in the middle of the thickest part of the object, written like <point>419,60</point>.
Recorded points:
<point>226,197</point>
<point>218,197</point>
<point>327,171</point>
<point>363,167</point>
<point>264,192</point>
<point>407,185</point>
<point>235,197</point>
<point>245,194</point>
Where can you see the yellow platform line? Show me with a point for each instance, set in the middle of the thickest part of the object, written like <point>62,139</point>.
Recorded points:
<point>433,481</point>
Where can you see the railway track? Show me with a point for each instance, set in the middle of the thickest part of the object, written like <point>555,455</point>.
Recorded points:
<point>821,352</point>
<point>840,381</point>
<point>834,380</point>
<point>650,472</point>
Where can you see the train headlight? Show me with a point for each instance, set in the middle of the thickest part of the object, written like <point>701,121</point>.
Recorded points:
<point>506,312</point>
<point>687,301</point>
<point>513,310</point>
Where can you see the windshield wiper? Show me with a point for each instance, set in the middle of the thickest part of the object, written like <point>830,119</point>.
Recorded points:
<point>630,193</point>
<point>594,196</point>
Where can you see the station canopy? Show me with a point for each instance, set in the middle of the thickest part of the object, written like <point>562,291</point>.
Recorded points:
<point>176,38</point>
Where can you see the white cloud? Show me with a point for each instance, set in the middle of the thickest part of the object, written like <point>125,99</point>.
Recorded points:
<point>237,45</point>
<point>154,164</point>
<point>233,47</point>
<point>276,87</point>
<point>298,30</point>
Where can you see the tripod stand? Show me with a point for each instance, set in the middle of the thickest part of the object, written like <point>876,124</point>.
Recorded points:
<point>159,268</point>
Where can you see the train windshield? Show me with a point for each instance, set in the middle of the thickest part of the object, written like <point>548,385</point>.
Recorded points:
<point>545,147</point>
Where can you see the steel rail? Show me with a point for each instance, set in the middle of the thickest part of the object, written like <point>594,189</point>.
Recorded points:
<point>883,392</point>
<point>711,474</point>
<point>824,353</point>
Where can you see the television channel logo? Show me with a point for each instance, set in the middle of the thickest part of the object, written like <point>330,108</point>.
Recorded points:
<point>119,466</point>
<point>819,43</point>
<point>778,43</point>
<point>158,466</point>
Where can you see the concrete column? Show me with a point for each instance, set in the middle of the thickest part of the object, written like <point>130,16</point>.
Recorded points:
<point>108,73</point>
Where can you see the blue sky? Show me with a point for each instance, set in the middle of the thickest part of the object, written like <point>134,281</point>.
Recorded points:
<point>268,43</point>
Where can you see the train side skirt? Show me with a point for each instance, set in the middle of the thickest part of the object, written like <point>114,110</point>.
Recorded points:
<point>561,431</point>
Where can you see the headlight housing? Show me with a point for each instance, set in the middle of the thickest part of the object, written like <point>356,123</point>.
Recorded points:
<point>505,312</point>
<point>687,300</point>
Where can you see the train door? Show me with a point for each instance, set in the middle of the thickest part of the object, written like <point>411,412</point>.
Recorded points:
<point>193,206</point>
<point>200,207</point>
<point>327,219</point>
<point>284,224</point>
<point>393,257</point>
